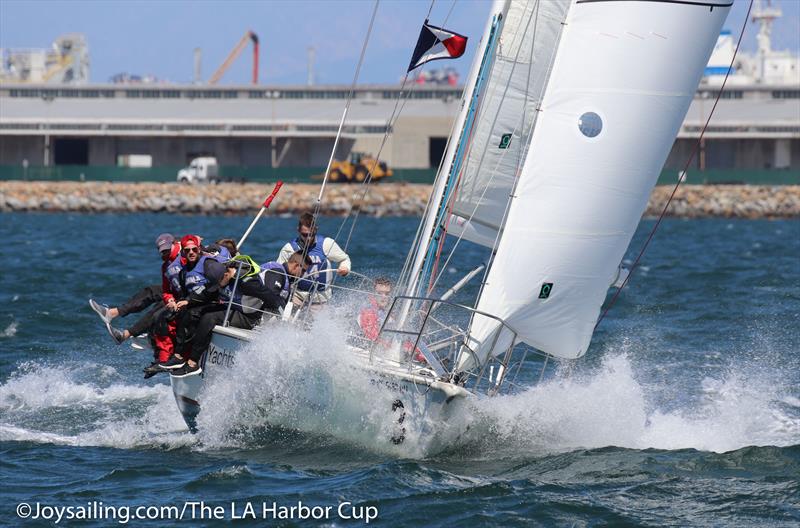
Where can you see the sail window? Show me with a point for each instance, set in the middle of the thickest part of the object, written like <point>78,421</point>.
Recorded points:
<point>590,124</point>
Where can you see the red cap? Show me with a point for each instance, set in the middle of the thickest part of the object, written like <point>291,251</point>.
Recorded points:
<point>190,238</point>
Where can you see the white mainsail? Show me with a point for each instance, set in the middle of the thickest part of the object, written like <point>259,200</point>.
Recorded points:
<point>623,78</point>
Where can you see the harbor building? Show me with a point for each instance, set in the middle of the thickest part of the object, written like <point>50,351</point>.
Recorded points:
<point>754,127</point>
<point>261,132</point>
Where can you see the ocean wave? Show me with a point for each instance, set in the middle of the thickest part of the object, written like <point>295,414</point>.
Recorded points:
<point>35,386</point>
<point>10,330</point>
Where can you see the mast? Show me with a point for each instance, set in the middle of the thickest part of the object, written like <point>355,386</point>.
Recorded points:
<point>429,232</point>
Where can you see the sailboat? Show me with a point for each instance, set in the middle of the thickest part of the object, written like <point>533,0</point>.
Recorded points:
<point>568,114</point>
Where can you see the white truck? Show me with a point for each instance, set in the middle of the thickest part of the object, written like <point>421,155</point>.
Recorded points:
<point>200,170</point>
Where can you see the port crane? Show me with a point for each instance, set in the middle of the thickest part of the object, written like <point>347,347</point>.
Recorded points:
<point>237,50</point>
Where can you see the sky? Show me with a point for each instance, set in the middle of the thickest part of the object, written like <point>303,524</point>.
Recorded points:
<point>158,37</point>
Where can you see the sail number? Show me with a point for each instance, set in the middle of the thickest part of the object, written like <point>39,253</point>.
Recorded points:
<point>544,292</point>
<point>505,141</point>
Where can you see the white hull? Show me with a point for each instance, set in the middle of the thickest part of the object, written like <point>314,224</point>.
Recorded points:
<point>420,408</point>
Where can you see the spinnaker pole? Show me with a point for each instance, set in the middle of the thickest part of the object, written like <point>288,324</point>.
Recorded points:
<point>264,207</point>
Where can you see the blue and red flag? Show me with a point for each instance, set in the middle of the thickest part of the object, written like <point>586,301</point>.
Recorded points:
<point>436,43</point>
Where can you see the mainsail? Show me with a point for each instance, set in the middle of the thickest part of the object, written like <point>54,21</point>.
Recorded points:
<point>621,82</point>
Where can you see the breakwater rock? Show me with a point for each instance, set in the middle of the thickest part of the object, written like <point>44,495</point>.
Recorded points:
<point>385,199</point>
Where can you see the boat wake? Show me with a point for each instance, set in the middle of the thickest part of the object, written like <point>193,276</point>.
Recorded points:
<point>304,387</point>
<point>610,406</point>
<point>290,378</point>
<point>87,405</point>
<point>307,381</point>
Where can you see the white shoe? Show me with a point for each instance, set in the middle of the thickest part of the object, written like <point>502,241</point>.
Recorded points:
<point>101,310</point>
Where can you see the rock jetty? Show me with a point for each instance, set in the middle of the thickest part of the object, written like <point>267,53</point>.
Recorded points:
<point>385,199</point>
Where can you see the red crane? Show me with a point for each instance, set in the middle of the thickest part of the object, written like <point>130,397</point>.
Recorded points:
<point>237,50</point>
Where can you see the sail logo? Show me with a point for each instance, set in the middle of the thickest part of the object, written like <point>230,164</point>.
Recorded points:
<point>505,141</point>
<point>544,292</point>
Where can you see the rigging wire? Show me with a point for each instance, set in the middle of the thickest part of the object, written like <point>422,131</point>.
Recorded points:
<point>685,168</point>
<point>435,278</point>
<point>460,155</point>
<point>347,105</point>
<point>338,135</point>
<point>395,115</point>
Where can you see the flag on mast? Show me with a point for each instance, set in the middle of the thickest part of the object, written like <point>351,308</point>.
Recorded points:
<point>437,43</point>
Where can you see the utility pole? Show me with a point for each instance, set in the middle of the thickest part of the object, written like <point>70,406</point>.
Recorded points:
<point>198,57</point>
<point>311,55</point>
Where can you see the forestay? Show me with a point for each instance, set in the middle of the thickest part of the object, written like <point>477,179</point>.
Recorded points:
<point>622,80</point>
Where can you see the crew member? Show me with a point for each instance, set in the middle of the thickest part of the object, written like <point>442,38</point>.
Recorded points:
<point>169,248</point>
<point>229,244</point>
<point>198,277</point>
<point>371,317</point>
<point>321,250</point>
<point>264,289</point>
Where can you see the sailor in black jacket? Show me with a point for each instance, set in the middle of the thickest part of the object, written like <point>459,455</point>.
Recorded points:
<point>266,292</point>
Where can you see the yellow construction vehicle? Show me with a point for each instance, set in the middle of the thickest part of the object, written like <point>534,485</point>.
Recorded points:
<point>357,169</point>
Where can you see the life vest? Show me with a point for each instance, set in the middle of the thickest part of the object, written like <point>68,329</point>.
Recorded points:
<point>173,275</point>
<point>317,273</point>
<point>220,253</point>
<point>279,268</point>
<point>371,318</point>
<point>227,292</point>
<point>166,283</point>
<point>246,304</point>
<point>194,280</point>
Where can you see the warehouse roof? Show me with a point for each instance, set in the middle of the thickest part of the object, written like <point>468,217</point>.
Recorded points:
<point>313,111</point>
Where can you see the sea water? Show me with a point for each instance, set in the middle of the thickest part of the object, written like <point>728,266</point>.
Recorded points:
<point>685,410</point>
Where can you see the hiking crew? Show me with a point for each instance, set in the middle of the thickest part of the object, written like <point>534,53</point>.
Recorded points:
<point>261,289</point>
<point>199,286</point>
<point>198,276</point>
<point>169,248</point>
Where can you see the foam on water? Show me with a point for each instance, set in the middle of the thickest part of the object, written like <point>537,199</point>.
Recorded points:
<point>610,407</point>
<point>87,405</point>
<point>35,387</point>
<point>296,379</point>
<point>10,331</point>
<point>308,381</point>
<point>301,380</point>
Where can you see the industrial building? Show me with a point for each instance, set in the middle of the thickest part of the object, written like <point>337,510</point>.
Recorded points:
<point>754,127</point>
<point>246,126</point>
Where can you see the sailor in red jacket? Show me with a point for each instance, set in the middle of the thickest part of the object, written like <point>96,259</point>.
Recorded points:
<point>160,295</point>
<point>371,317</point>
<point>162,334</point>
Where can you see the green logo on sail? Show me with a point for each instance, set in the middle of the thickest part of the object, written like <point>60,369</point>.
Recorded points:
<point>547,287</point>
<point>505,141</point>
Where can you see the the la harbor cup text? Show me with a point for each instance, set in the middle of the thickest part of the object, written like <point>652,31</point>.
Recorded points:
<point>197,510</point>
